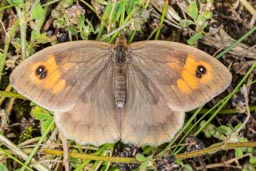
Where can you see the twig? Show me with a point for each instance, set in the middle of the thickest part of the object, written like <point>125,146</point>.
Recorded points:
<point>16,150</point>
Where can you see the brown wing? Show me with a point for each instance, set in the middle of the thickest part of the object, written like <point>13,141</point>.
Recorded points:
<point>94,118</point>
<point>165,80</point>
<point>55,77</point>
<point>147,119</point>
<point>75,81</point>
<point>185,77</point>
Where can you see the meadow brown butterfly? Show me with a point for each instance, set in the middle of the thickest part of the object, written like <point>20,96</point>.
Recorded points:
<point>101,93</point>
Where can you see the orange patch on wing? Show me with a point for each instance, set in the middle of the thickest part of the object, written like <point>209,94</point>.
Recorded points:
<point>190,79</point>
<point>182,85</point>
<point>52,81</point>
<point>59,86</point>
<point>207,77</point>
<point>190,64</point>
<point>33,75</point>
<point>188,74</point>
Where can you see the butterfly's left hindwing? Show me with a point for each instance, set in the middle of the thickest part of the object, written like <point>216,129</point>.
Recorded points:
<point>147,119</point>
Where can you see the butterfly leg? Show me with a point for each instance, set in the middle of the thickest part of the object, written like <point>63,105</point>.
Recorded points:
<point>65,152</point>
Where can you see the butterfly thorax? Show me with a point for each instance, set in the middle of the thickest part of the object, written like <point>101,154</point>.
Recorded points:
<point>120,58</point>
<point>120,73</point>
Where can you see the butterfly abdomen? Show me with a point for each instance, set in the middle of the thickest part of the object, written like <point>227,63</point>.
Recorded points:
<point>120,71</point>
<point>120,85</point>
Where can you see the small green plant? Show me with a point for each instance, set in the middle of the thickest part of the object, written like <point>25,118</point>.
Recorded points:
<point>199,19</point>
<point>72,18</point>
<point>228,134</point>
<point>146,162</point>
<point>45,117</point>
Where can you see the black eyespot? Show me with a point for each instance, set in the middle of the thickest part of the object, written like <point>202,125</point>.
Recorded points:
<point>201,70</point>
<point>41,72</point>
<point>40,69</point>
<point>43,75</point>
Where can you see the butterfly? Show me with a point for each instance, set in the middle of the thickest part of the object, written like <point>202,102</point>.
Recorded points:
<point>138,93</point>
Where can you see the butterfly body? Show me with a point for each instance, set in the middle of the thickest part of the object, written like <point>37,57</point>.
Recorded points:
<point>101,93</point>
<point>120,73</point>
<point>120,85</point>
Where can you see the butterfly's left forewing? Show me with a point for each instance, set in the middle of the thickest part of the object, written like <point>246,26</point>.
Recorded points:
<point>185,77</point>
